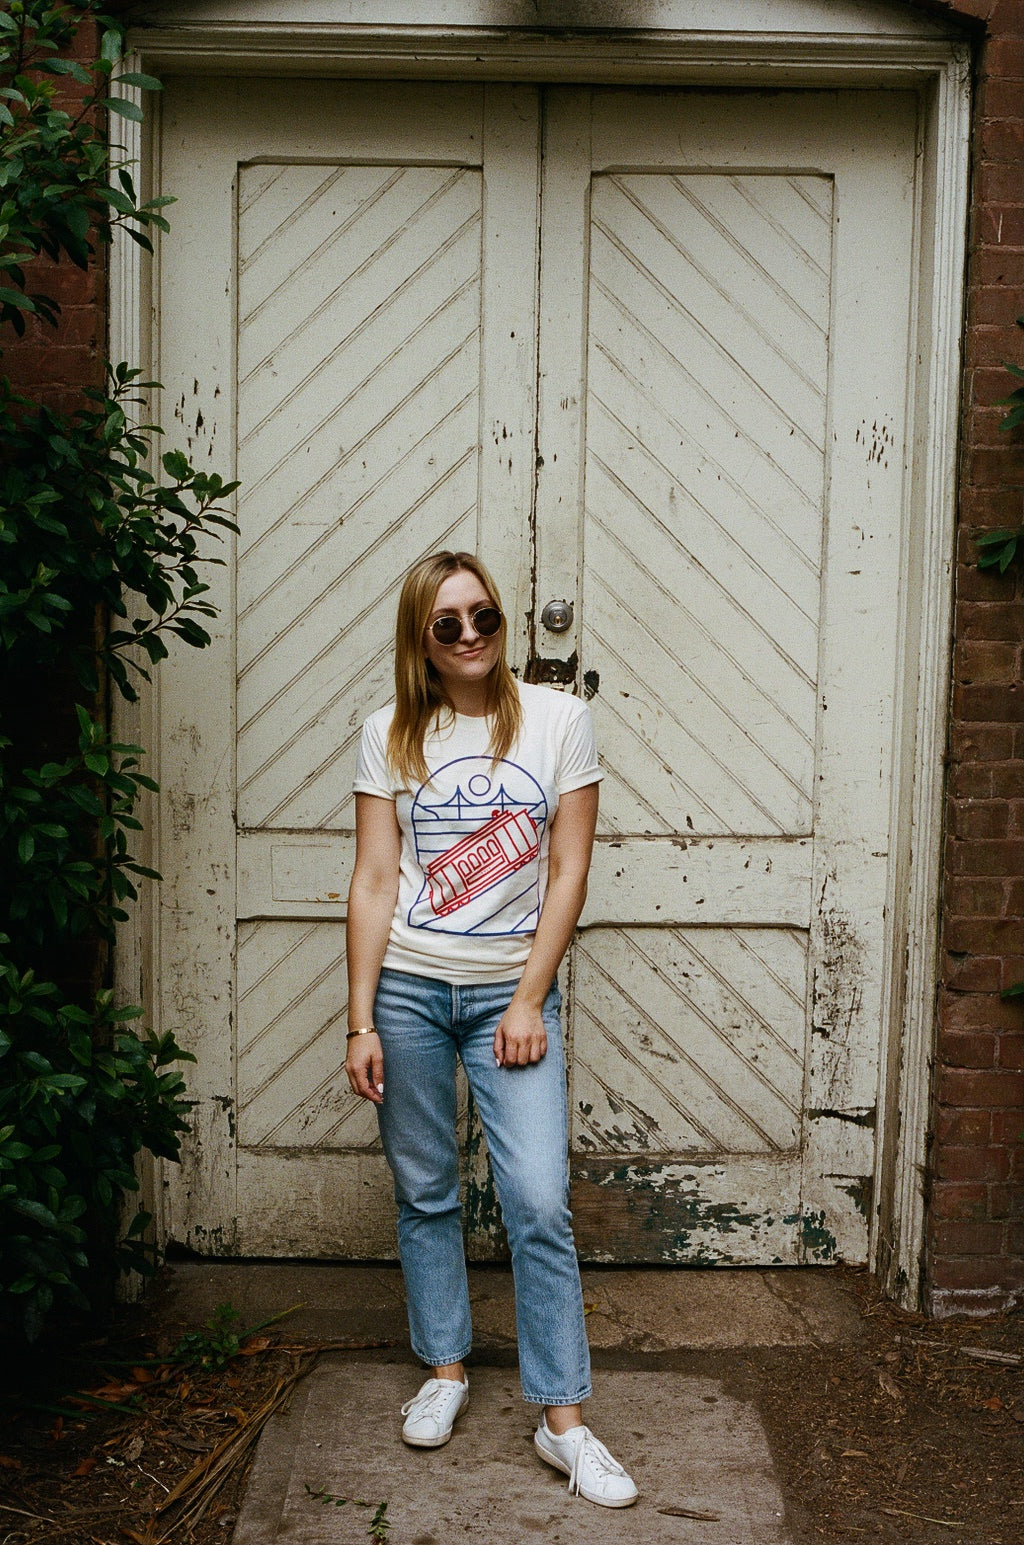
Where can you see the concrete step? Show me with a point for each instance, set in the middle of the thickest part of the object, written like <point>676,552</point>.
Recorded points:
<point>689,1445</point>
<point>651,1310</point>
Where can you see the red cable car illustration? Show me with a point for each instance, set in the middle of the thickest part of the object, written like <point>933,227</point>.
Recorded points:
<point>507,842</point>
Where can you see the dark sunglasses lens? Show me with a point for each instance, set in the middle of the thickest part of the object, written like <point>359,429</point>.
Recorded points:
<point>447,630</point>
<point>487,621</point>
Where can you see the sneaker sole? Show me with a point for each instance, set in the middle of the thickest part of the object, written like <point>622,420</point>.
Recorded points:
<point>437,1442</point>
<point>559,1464</point>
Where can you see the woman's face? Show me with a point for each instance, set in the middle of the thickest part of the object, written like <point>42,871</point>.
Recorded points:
<point>469,662</point>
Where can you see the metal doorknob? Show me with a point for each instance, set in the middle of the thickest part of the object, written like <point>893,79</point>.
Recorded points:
<point>557,616</point>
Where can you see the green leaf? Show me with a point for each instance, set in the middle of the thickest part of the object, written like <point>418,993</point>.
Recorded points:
<point>136,78</point>
<point>111,45</point>
<point>175,464</point>
<point>123,107</point>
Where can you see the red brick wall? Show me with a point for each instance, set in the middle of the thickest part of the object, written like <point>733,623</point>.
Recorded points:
<point>975,1246</point>
<point>52,365</point>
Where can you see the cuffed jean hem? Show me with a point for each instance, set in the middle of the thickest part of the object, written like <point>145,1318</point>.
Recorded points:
<point>441,1362</point>
<point>558,1400</point>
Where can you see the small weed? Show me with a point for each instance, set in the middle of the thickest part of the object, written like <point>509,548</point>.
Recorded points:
<point>215,1344</point>
<point>379,1523</point>
<point>221,1338</point>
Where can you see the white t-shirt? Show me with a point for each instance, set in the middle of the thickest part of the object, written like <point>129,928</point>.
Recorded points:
<point>475,837</point>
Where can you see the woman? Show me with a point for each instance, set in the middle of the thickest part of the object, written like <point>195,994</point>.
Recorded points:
<point>476,802</point>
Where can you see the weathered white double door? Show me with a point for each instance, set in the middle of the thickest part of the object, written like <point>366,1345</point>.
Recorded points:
<point>644,351</point>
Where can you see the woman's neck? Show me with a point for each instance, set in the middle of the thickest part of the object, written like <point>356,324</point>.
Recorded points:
<point>473,699</point>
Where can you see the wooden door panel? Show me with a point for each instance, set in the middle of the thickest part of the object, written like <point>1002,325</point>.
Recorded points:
<point>289,1092</point>
<point>358,430</point>
<point>704,374</point>
<point>689,1041</point>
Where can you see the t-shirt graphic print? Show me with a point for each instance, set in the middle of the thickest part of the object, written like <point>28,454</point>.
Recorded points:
<point>475,827</point>
<point>475,835</point>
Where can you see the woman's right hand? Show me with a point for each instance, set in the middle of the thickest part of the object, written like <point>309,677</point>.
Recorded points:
<point>364,1064</point>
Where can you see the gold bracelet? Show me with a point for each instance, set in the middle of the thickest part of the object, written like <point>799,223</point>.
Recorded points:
<point>366,1030</point>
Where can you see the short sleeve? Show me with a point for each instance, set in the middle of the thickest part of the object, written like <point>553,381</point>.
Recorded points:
<point>372,775</point>
<point>577,763</point>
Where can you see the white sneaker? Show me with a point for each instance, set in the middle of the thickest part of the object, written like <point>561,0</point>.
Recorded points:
<point>430,1414</point>
<point>592,1471</point>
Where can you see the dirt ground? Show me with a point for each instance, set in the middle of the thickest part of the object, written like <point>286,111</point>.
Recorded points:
<point>914,1431</point>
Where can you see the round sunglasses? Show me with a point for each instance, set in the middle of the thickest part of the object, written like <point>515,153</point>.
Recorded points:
<point>447,631</point>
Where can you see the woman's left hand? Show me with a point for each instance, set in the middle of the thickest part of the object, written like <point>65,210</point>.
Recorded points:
<point>520,1037</point>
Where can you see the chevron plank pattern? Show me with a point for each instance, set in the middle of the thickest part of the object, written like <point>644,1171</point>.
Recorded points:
<point>689,1041</point>
<point>292,1090</point>
<point>358,362</point>
<point>706,414</point>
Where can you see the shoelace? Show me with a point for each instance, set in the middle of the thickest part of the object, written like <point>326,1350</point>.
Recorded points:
<point>591,1448</point>
<point>429,1402</point>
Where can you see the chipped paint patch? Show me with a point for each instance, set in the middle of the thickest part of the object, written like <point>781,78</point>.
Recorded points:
<point>669,1212</point>
<point>635,1135</point>
<point>858,1118</point>
<point>482,1227</point>
<point>554,673</point>
<point>817,1243</point>
<point>861,1188</point>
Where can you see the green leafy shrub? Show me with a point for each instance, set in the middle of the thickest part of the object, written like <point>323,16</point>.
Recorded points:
<point>99,562</point>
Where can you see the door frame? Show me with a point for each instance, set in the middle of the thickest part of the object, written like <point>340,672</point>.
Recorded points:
<point>940,73</point>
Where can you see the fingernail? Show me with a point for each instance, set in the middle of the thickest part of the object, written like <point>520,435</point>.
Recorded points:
<point>380,1088</point>
<point>497,1062</point>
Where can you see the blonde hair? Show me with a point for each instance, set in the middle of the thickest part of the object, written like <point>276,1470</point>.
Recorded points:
<point>419,693</point>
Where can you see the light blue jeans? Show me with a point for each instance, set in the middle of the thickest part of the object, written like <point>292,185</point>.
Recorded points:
<point>424,1025</point>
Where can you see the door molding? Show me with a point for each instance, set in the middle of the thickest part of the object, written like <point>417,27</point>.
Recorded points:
<point>940,73</point>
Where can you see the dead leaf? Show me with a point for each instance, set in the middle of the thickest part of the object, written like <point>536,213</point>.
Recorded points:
<point>133,1448</point>
<point>889,1385</point>
<point>7,1463</point>
<point>995,1404</point>
<point>143,1375</point>
<point>85,1466</point>
<point>255,1344</point>
<point>854,1453</point>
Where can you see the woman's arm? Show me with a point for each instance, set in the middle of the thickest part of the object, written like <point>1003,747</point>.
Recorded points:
<point>520,1037</point>
<point>371,905</point>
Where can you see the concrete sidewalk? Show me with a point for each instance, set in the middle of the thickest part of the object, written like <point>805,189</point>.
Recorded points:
<point>694,1446</point>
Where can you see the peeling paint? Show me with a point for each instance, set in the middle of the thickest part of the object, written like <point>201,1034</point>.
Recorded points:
<point>861,1189</point>
<point>556,673</point>
<point>481,1212</point>
<point>694,1228</point>
<point>864,1117</point>
<point>817,1243</point>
